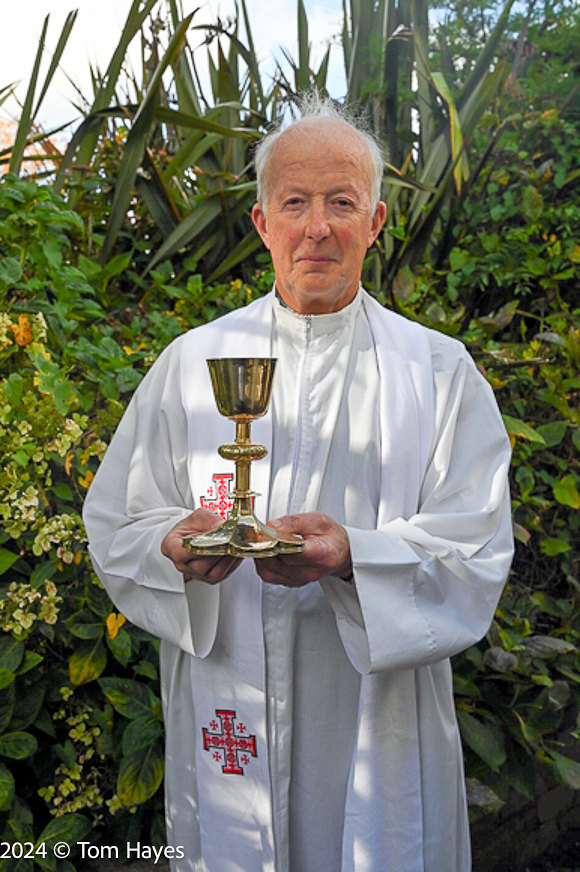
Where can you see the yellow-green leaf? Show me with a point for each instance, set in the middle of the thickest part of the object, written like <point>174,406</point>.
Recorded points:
<point>140,775</point>
<point>6,788</point>
<point>516,427</point>
<point>87,663</point>
<point>566,492</point>
<point>18,745</point>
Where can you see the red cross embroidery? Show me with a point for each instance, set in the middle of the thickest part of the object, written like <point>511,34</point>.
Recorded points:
<point>218,498</point>
<point>229,747</point>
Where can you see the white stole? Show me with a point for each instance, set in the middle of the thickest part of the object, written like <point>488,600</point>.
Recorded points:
<point>234,809</point>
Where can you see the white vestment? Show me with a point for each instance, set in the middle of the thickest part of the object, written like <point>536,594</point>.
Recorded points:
<point>313,729</point>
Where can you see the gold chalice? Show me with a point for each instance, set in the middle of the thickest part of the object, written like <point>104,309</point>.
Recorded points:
<point>242,389</point>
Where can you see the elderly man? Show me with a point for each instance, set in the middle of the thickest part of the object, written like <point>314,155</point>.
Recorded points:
<point>308,699</point>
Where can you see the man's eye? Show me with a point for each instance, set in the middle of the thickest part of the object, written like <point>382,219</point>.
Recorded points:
<point>343,203</point>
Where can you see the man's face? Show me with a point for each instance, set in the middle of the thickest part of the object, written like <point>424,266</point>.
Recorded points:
<point>318,222</point>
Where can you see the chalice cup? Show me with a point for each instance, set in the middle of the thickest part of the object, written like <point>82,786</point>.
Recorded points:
<point>243,388</point>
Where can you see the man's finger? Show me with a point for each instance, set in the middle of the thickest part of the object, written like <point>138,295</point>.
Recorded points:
<point>278,570</point>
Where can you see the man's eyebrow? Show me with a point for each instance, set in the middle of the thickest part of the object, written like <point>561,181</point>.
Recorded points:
<point>293,190</point>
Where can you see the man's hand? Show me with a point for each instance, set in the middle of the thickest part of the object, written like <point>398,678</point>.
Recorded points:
<point>209,569</point>
<point>326,552</point>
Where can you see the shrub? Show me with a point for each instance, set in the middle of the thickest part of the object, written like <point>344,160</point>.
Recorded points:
<point>509,288</point>
<point>81,738</point>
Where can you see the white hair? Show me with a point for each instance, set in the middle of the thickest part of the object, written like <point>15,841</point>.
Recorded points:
<point>313,108</point>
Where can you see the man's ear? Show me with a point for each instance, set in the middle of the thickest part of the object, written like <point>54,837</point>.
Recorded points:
<point>378,220</point>
<point>259,219</point>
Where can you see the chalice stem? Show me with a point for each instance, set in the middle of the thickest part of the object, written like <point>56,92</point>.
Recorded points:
<point>242,489</point>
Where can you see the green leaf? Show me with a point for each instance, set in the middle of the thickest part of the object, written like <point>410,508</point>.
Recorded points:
<point>486,739</point>
<point>137,140</point>
<point>84,626</point>
<point>546,603</point>
<point>6,677</point>
<point>7,787</point>
<point>521,534</point>
<point>31,661</point>
<point>532,203</point>
<point>69,828</point>
<point>243,250</point>
<point>459,258</point>
<point>51,380</point>
<point>62,492</point>
<point>141,733</point>
<point>185,232</point>
<point>553,547</point>
<point>11,652</point>
<point>120,647</point>
<point>26,113</point>
<point>27,704</point>
<point>7,559</point>
<point>567,769</point>
<point>147,669</point>
<point>464,687</point>
<point>18,745</point>
<point>140,775</point>
<point>44,571</point>
<point>518,772</point>
<point>10,271</point>
<point>481,796</point>
<point>14,386</point>
<point>7,697</point>
<point>130,698</point>
<point>516,427</point>
<point>566,492</point>
<point>87,663</point>
<point>116,265</point>
<point>86,139</point>
<point>553,433</point>
<point>526,480</point>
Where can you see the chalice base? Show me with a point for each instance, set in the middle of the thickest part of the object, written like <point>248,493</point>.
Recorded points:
<point>243,536</point>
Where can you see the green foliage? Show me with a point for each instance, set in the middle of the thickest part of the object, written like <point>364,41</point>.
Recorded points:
<point>510,289</point>
<point>80,716</point>
<point>423,112</point>
<point>181,161</point>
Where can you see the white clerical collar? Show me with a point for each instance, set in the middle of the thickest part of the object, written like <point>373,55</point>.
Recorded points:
<point>318,324</point>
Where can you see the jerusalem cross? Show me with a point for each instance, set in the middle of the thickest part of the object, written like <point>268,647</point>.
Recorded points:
<point>219,499</point>
<point>232,749</point>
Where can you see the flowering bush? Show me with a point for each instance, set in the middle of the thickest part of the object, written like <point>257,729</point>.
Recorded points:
<point>60,738</point>
<point>23,605</point>
<point>81,736</point>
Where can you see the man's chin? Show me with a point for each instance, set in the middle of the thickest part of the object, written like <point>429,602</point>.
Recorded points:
<point>318,298</point>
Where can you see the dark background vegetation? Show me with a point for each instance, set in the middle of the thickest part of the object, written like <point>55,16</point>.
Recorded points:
<point>139,229</point>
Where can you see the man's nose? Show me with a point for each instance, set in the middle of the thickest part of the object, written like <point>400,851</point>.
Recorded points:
<point>317,222</point>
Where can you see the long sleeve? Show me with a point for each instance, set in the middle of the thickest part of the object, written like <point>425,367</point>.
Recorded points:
<point>427,585</point>
<point>139,493</point>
